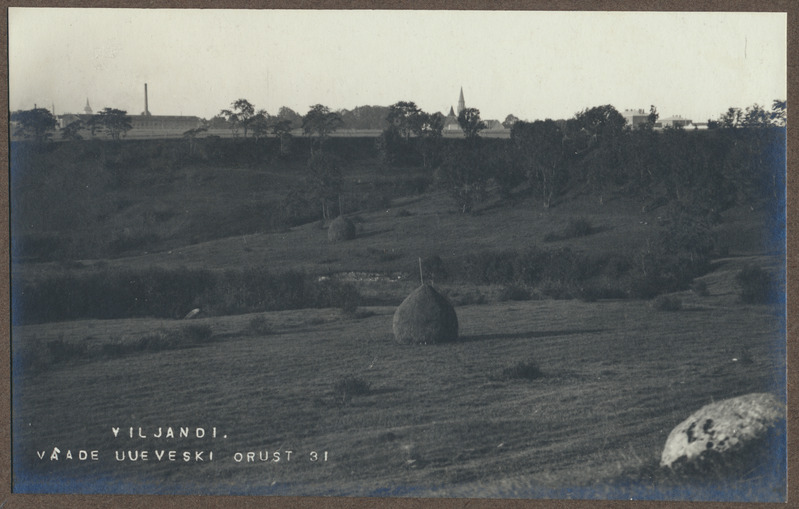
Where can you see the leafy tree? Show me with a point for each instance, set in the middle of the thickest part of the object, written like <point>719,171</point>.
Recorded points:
<point>259,124</point>
<point>294,119</point>
<point>191,136</point>
<point>218,122</point>
<point>653,116</point>
<point>320,121</point>
<point>779,113</point>
<point>463,173</point>
<point>36,124</point>
<point>469,120</point>
<point>72,130</point>
<point>755,116</point>
<point>239,115</point>
<point>112,122</point>
<point>731,118</point>
<point>323,181</point>
<point>597,135</point>
<point>365,117</point>
<point>509,121</point>
<point>432,127</point>
<point>406,117</point>
<point>601,122</point>
<point>540,148</point>
<point>281,128</point>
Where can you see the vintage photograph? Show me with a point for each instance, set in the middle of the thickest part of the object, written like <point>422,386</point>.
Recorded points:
<point>398,253</point>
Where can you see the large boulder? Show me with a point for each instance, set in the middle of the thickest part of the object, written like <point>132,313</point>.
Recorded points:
<point>425,316</point>
<point>341,229</point>
<point>724,433</point>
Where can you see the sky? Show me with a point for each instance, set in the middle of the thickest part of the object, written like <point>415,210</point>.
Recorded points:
<point>532,64</point>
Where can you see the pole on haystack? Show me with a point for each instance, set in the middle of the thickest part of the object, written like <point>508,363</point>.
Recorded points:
<point>421,274</point>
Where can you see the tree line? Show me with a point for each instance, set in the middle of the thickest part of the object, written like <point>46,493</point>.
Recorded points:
<point>595,149</point>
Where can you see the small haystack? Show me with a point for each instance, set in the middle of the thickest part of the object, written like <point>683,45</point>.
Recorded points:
<point>425,316</point>
<point>341,229</point>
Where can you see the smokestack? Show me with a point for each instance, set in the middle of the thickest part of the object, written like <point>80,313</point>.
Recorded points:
<point>146,109</point>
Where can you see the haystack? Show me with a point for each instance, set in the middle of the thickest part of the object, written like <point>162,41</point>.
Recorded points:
<point>425,316</point>
<point>341,229</point>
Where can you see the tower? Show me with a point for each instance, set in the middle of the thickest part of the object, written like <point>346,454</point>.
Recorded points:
<point>146,106</point>
<point>87,109</point>
<point>461,103</point>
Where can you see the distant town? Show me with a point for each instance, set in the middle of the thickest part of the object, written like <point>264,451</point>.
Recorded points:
<point>360,121</point>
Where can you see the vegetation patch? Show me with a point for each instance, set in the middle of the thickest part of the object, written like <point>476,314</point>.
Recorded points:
<point>667,303</point>
<point>350,386</point>
<point>165,293</point>
<point>756,285</point>
<point>260,325</point>
<point>577,227</point>
<point>522,370</point>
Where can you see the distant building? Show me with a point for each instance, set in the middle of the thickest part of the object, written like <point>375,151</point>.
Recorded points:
<point>635,118</point>
<point>451,119</point>
<point>145,124</point>
<point>493,125</point>
<point>675,121</point>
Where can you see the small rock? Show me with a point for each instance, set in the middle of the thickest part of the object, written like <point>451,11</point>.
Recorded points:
<point>191,314</point>
<point>722,428</point>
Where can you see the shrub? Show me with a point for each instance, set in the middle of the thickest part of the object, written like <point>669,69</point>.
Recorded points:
<point>61,350</point>
<point>667,303</point>
<point>756,285</point>
<point>514,292</point>
<point>195,334</point>
<point>700,288</point>
<point>522,370</point>
<point>260,325</point>
<point>434,269</point>
<point>350,386</point>
<point>331,293</point>
<point>579,227</point>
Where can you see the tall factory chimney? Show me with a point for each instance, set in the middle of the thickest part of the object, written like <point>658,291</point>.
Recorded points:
<point>146,109</point>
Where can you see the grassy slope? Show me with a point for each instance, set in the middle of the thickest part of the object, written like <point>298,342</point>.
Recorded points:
<point>437,421</point>
<point>617,375</point>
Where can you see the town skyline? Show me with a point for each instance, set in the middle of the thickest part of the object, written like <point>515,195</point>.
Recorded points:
<point>533,65</point>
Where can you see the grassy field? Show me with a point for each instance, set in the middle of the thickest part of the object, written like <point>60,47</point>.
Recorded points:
<point>539,398</point>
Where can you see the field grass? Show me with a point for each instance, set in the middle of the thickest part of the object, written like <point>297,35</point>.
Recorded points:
<point>616,377</point>
<point>474,418</point>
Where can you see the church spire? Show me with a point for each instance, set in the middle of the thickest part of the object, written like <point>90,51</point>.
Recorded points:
<point>461,103</point>
<point>87,109</point>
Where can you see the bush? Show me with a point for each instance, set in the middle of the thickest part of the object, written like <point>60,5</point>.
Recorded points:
<point>667,303</point>
<point>63,351</point>
<point>579,227</point>
<point>161,293</point>
<point>700,288</point>
<point>514,292</point>
<point>40,356</point>
<point>195,334</point>
<point>434,269</point>
<point>260,325</point>
<point>350,386</point>
<point>522,370</point>
<point>757,286</point>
